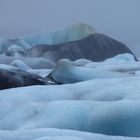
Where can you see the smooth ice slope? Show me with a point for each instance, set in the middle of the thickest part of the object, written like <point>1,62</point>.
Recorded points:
<point>120,118</point>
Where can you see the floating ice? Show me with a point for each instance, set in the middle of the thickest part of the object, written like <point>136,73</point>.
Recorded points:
<point>75,32</point>
<point>65,72</point>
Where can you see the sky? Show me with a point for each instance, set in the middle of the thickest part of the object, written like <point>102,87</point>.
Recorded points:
<point>118,19</point>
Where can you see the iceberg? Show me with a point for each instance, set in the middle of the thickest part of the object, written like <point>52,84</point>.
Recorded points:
<point>15,51</point>
<point>97,47</point>
<point>11,77</point>
<point>72,33</point>
<point>6,43</point>
<point>34,63</point>
<point>65,72</point>
<point>20,64</point>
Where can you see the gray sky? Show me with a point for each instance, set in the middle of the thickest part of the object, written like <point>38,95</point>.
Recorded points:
<point>117,18</point>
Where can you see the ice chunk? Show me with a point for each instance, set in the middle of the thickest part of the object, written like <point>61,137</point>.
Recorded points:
<point>65,72</point>
<point>20,64</point>
<point>6,43</point>
<point>15,50</point>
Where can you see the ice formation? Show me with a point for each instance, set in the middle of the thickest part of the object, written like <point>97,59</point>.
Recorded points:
<point>72,33</point>
<point>97,100</point>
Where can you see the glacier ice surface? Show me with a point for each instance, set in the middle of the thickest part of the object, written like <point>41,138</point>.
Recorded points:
<point>107,106</point>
